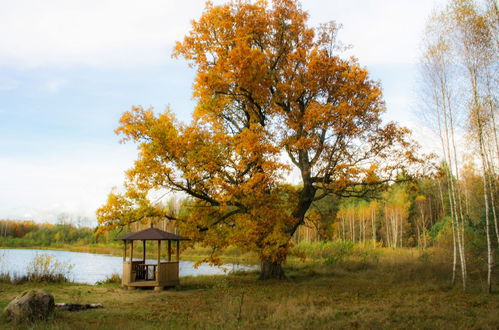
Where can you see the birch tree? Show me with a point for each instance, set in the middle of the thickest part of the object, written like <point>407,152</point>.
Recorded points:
<point>460,64</point>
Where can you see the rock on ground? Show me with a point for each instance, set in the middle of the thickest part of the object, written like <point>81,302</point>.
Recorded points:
<point>30,305</point>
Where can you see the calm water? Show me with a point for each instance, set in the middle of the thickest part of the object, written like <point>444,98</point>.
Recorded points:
<point>90,267</point>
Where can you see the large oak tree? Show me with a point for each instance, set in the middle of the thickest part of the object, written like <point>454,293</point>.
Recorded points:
<point>273,96</point>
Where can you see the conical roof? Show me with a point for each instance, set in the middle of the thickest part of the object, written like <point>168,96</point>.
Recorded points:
<point>152,234</point>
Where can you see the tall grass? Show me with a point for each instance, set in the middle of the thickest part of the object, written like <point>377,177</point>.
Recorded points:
<point>336,252</point>
<point>331,253</point>
<point>110,279</point>
<point>4,276</point>
<point>43,268</point>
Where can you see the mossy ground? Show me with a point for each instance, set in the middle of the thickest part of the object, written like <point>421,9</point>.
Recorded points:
<point>398,291</point>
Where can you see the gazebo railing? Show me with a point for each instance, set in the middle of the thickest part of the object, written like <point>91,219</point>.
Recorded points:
<point>145,272</point>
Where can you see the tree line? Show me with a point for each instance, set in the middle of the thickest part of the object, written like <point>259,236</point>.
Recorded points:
<point>22,233</point>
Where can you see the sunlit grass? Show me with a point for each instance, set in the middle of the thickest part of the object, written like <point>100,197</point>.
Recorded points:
<point>402,289</point>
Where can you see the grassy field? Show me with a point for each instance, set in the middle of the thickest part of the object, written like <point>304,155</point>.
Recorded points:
<point>400,290</point>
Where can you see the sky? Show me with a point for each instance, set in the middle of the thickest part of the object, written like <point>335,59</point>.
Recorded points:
<point>69,69</point>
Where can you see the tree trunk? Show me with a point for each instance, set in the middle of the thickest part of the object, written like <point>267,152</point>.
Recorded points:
<point>271,270</point>
<point>343,237</point>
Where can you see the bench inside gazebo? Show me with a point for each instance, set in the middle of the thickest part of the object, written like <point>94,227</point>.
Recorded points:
<point>139,273</point>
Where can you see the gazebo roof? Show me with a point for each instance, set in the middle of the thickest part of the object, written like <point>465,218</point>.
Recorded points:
<point>152,234</point>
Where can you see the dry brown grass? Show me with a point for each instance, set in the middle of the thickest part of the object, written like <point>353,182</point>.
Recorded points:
<point>402,290</point>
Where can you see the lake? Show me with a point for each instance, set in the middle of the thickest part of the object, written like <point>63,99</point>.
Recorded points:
<point>91,268</point>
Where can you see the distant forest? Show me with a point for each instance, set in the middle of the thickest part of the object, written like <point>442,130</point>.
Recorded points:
<point>411,214</point>
<point>18,233</point>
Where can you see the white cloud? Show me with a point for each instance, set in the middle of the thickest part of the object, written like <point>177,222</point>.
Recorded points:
<point>128,32</point>
<point>96,33</point>
<point>75,181</point>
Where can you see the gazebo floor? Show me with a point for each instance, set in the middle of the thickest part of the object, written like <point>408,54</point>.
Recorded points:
<point>143,283</point>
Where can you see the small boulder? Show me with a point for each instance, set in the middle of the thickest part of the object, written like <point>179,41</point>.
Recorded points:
<point>29,306</point>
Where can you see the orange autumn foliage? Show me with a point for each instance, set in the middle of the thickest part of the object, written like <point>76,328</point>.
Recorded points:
<point>267,86</point>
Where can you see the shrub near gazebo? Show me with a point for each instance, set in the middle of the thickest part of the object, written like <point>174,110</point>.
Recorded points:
<point>138,273</point>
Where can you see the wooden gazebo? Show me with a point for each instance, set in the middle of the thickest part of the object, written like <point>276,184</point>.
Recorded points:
<point>139,273</point>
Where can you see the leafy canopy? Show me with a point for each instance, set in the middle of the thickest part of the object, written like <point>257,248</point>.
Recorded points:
<point>272,95</point>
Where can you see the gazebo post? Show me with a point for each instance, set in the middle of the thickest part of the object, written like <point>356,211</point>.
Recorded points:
<point>169,250</point>
<point>124,253</point>
<point>159,252</point>
<point>131,264</point>
<point>144,251</point>
<point>178,250</point>
<point>158,288</point>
